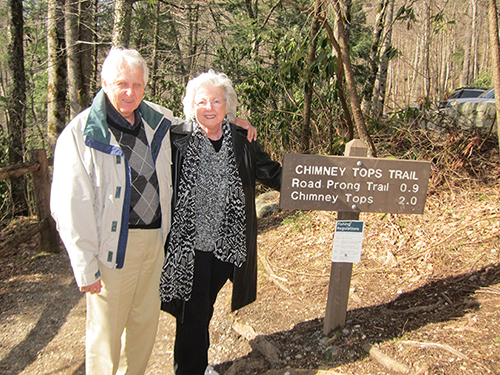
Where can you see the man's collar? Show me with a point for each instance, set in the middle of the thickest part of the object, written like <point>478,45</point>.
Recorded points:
<point>115,118</point>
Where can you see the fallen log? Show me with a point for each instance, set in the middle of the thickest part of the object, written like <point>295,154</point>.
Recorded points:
<point>387,362</point>
<point>18,170</point>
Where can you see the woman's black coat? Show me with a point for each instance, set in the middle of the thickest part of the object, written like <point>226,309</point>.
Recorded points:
<point>253,165</point>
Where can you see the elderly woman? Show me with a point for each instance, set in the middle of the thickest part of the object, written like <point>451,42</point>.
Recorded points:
<point>213,236</point>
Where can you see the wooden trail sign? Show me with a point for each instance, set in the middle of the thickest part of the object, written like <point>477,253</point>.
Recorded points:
<point>357,184</point>
<point>351,184</point>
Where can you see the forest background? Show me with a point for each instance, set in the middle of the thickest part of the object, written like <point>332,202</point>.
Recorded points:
<point>310,75</point>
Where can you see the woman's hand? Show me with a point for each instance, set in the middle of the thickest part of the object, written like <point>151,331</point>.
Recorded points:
<point>245,124</point>
<point>92,289</point>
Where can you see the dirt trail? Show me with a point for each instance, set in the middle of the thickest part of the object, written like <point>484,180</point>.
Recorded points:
<point>427,291</point>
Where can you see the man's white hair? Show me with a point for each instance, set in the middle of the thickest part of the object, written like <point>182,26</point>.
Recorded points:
<point>212,79</point>
<point>116,57</point>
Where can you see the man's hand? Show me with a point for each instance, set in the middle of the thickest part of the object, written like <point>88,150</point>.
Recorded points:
<point>92,289</point>
<point>245,124</point>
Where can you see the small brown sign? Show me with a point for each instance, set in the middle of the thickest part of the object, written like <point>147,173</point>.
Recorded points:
<point>355,184</point>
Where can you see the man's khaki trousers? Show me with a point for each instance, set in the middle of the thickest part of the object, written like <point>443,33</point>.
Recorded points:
<point>122,320</point>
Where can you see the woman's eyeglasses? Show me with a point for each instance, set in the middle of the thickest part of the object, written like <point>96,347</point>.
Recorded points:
<point>216,103</point>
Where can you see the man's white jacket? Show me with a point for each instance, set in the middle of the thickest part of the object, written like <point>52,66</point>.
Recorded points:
<point>90,196</point>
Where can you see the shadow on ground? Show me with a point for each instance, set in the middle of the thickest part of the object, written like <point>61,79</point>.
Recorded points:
<point>47,327</point>
<point>441,300</point>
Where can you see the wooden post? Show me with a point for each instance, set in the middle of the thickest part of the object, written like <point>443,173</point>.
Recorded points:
<point>49,238</point>
<point>340,274</point>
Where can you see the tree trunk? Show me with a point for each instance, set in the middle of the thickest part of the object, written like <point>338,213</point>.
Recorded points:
<point>426,51</point>
<point>311,56</point>
<point>339,70</point>
<point>495,55</point>
<point>17,104</point>
<point>253,12</point>
<point>381,81</point>
<point>346,7</point>
<point>56,90</point>
<point>464,77</point>
<point>445,64</point>
<point>73,66</point>
<point>122,23</point>
<point>351,83</point>
<point>413,82</point>
<point>485,48</point>
<point>374,58</point>
<point>85,52</point>
<point>95,79</point>
<point>194,15</point>
<point>176,38</point>
<point>156,36</point>
<point>473,47</point>
<point>78,16</point>
<point>345,106</point>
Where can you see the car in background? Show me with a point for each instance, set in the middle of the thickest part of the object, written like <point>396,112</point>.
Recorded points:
<point>474,113</point>
<point>485,96</point>
<point>462,93</point>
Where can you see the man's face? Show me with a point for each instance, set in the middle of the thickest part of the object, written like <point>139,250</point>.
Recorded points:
<point>125,92</point>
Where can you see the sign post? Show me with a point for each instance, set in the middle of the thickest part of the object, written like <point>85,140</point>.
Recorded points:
<point>340,273</point>
<point>351,184</point>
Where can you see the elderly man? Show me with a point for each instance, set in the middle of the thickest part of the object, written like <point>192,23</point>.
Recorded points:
<point>111,197</point>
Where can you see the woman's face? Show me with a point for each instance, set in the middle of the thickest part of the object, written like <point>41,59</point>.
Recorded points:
<point>210,109</point>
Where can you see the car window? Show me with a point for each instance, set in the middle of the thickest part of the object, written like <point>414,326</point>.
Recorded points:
<point>471,93</point>
<point>490,94</point>
<point>466,93</point>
